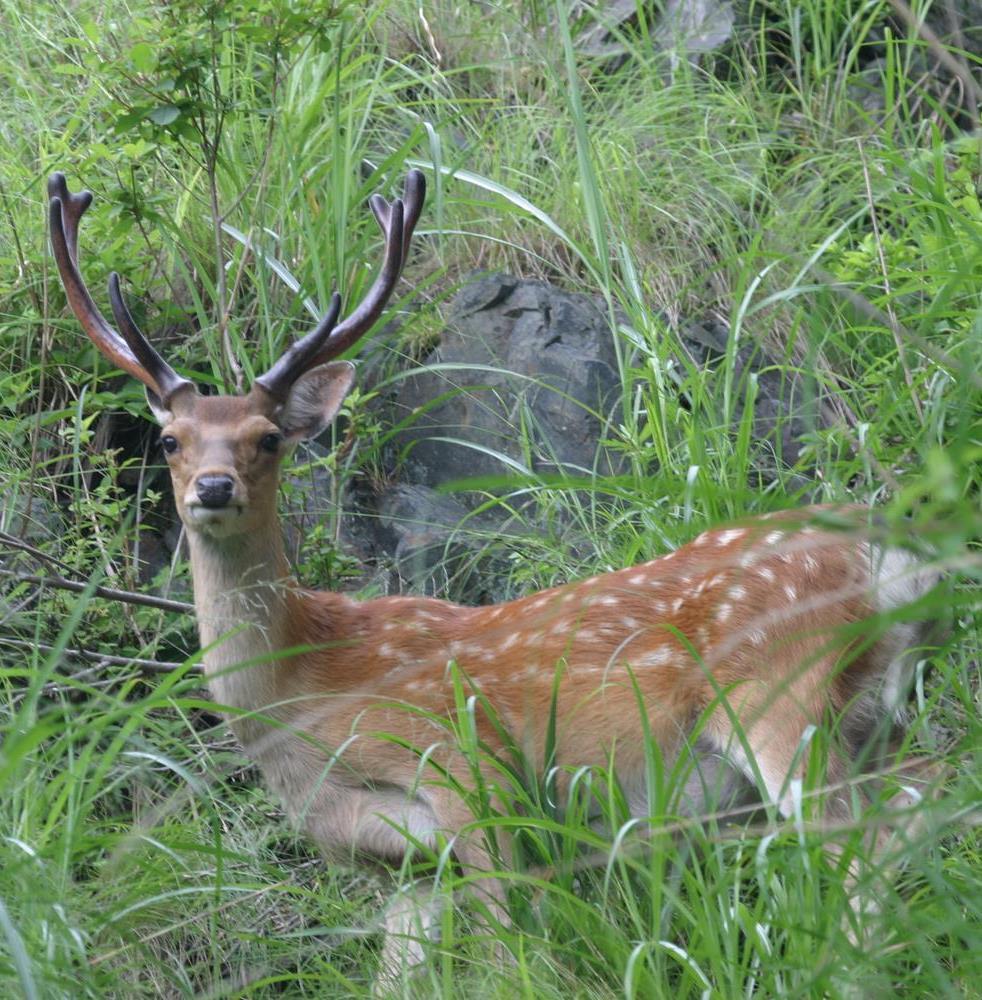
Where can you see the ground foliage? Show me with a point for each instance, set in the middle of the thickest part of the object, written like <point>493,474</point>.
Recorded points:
<point>813,184</point>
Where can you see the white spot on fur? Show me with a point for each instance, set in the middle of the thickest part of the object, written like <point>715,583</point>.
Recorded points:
<point>609,600</point>
<point>773,537</point>
<point>659,657</point>
<point>727,537</point>
<point>637,579</point>
<point>810,564</point>
<point>766,573</point>
<point>791,592</point>
<point>470,651</point>
<point>676,605</point>
<point>737,592</point>
<point>723,612</point>
<point>387,650</point>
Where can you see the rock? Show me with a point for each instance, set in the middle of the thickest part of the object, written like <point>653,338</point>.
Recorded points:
<point>33,519</point>
<point>682,29</point>
<point>432,554</point>
<point>524,378</point>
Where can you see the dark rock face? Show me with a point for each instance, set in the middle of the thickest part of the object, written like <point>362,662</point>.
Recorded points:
<point>516,354</point>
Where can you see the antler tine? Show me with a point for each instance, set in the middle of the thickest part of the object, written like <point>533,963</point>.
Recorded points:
<point>299,357</point>
<point>413,195</point>
<point>391,220</point>
<point>397,221</point>
<point>168,381</point>
<point>131,353</point>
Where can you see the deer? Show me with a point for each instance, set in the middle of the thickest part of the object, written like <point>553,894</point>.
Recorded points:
<point>733,646</point>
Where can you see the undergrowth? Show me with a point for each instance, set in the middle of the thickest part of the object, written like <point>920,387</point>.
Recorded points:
<point>232,148</point>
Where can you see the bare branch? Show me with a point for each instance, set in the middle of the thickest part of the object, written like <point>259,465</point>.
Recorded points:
<point>109,593</point>
<point>957,67</point>
<point>91,656</point>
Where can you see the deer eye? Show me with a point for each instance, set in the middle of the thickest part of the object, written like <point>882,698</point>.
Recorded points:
<point>169,443</point>
<point>271,442</point>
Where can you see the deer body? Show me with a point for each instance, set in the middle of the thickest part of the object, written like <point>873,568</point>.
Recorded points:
<point>732,646</point>
<point>761,612</point>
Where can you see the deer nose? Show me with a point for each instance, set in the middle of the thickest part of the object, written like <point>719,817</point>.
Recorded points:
<point>214,491</point>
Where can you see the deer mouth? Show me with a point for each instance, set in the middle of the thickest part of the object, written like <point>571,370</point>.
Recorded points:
<point>201,516</point>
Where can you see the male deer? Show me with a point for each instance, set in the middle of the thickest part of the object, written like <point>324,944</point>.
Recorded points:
<point>736,643</point>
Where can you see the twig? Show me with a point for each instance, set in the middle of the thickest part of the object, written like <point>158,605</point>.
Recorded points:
<point>940,51</point>
<point>109,593</point>
<point>91,656</point>
<point>868,309</point>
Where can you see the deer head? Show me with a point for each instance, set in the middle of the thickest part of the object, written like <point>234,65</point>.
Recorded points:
<point>224,452</point>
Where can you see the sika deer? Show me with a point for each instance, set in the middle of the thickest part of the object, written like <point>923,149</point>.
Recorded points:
<point>756,629</point>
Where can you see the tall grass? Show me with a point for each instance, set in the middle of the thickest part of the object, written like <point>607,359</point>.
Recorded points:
<point>139,854</point>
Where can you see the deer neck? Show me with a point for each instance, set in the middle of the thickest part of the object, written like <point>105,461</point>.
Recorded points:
<point>243,595</point>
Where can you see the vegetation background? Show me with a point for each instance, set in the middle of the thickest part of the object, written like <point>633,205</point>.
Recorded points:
<point>812,180</point>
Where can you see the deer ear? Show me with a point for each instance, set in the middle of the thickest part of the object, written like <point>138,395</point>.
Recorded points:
<point>180,401</point>
<point>161,413</point>
<point>314,400</point>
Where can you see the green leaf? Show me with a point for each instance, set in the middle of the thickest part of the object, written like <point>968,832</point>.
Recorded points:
<point>131,118</point>
<point>165,114</point>
<point>143,57</point>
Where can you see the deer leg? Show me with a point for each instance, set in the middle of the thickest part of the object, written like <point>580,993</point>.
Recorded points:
<point>411,919</point>
<point>386,823</point>
<point>476,858</point>
<point>773,742</point>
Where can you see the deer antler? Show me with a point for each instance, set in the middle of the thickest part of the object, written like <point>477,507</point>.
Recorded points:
<point>397,221</point>
<point>130,350</point>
